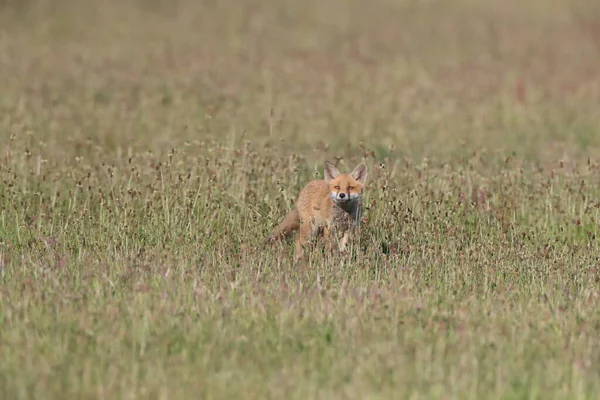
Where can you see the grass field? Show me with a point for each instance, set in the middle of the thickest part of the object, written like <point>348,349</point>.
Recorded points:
<point>148,147</point>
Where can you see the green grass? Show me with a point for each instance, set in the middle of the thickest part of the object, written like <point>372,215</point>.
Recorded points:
<point>148,148</point>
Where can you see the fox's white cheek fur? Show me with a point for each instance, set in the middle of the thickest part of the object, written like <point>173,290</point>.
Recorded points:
<point>350,196</point>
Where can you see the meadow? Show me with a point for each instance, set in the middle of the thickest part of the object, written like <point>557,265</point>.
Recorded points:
<point>147,147</point>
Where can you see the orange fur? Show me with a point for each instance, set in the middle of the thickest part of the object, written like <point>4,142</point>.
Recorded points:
<point>332,204</point>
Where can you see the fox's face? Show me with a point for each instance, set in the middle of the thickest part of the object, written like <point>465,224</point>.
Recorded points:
<point>345,187</point>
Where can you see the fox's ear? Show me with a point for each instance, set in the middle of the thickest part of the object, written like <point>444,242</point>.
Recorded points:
<point>360,173</point>
<point>330,172</point>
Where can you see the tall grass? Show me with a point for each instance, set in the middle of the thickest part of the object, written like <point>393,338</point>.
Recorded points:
<point>148,147</point>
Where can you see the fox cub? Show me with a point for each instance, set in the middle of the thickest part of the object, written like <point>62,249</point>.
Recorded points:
<point>331,206</point>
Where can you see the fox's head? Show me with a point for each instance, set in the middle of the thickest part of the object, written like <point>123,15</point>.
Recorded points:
<point>345,187</point>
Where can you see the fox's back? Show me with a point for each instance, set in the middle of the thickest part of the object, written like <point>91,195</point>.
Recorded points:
<point>314,199</point>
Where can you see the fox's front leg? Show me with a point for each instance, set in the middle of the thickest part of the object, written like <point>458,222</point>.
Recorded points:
<point>343,243</point>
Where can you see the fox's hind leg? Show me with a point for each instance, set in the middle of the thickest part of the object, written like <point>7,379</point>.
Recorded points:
<point>327,237</point>
<point>302,240</point>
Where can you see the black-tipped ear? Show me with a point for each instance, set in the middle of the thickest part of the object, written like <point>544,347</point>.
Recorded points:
<point>330,172</point>
<point>360,173</point>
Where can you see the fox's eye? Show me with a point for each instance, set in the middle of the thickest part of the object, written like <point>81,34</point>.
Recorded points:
<point>350,187</point>
<point>336,187</point>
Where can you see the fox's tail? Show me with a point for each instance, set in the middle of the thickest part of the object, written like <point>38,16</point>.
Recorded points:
<point>290,223</point>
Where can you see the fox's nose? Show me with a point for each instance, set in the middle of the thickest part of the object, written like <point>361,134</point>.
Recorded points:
<point>342,195</point>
